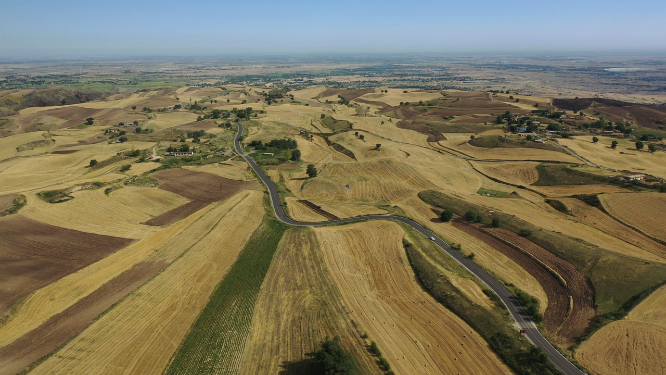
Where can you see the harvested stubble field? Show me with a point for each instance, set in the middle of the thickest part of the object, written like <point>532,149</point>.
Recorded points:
<point>556,307</point>
<point>633,345</point>
<point>517,173</point>
<point>378,182</point>
<point>369,266</point>
<point>301,212</point>
<point>298,307</point>
<point>641,211</point>
<point>200,188</point>
<point>598,219</point>
<point>142,333</point>
<point>34,254</point>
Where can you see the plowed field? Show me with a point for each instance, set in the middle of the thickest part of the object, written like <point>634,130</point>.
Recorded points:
<point>34,254</point>
<point>416,334</point>
<point>200,188</point>
<point>141,334</point>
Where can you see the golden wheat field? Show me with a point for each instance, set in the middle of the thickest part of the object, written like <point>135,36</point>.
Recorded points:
<point>633,345</point>
<point>623,157</point>
<point>368,265</point>
<point>395,96</point>
<point>131,338</point>
<point>640,211</point>
<point>517,173</point>
<point>298,307</point>
<point>301,212</point>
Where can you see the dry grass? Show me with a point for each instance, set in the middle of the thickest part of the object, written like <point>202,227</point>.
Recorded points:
<point>295,115</point>
<point>644,247</point>
<point>62,294</point>
<point>298,307</point>
<point>633,345</point>
<point>501,265</point>
<point>517,173</point>
<point>301,212</point>
<point>395,96</point>
<point>169,120</point>
<point>232,169</point>
<point>640,211</point>
<point>568,190</point>
<point>416,334</point>
<point>343,210</point>
<point>132,337</point>
<point>95,212</point>
<point>507,153</point>
<point>630,158</point>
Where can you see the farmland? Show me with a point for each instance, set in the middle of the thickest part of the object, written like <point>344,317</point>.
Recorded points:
<point>144,245</point>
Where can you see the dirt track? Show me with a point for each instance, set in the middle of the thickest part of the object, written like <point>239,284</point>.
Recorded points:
<point>558,300</point>
<point>34,254</point>
<point>41,341</point>
<point>201,188</point>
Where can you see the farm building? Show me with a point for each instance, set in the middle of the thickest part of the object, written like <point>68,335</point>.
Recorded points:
<point>634,177</point>
<point>172,154</point>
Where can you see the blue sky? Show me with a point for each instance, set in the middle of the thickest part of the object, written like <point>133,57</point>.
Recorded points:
<point>63,28</point>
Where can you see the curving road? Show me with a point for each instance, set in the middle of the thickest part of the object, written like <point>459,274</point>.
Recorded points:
<point>517,311</point>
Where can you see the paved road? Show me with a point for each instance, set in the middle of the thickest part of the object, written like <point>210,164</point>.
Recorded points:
<point>517,311</point>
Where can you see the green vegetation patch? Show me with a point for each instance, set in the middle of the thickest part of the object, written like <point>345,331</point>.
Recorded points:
<point>332,359</point>
<point>557,174</point>
<point>336,125</point>
<point>64,195</point>
<point>492,193</point>
<point>558,205</point>
<point>35,144</point>
<point>616,278</point>
<point>218,336</point>
<point>494,325</point>
<point>17,204</point>
<point>498,141</point>
<point>342,149</point>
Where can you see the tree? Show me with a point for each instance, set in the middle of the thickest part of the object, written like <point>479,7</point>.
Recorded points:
<point>356,134</point>
<point>471,137</point>
<point>122,139</point>
<point>323,115</point>
<point>595,139</point>
<point>93,163</point>
<point>473,215</point>
<point>361,137</point>
<point>137,130</point>
<point>334,360</point>
<point>446,216</point>
<point>136,122</point>
<point>89,121</point>
<point>377,146</point>
<point>614,144</point>
<point>639,145</point>
<point>652,148</point>
<point>496,222</point>
<point>296,155</point>
<point>133,107</point>
<point>311,170</point>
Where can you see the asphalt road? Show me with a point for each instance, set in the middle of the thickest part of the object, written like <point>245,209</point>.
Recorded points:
<point>517,311</point>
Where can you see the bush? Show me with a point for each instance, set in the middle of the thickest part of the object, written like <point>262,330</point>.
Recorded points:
<point>125,168</point>
<point>296,155</point>
<point>496,222</point>
<point>473,215</point>
<point>524,233</point>
<point>93,163</point>
<point>446,215</point>
<point>334,360</point>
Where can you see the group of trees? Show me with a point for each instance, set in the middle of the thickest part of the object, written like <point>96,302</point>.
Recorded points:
<point>284,143</point>
<point>89,121</point>
<point>181,148</point>
<point>333,360</point>
<point>243,113</point>
<point>343,100</point>
<point>311,170</point>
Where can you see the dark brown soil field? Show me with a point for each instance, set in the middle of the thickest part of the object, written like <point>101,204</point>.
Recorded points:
<point>34,254</point>
<point>642,116</point>
<point>578,286</point>
<point>200,188</point>
<point>7,201</point>
<point>57,330</point>
<point>558,300</point>
<point>64,152</point>
<point>433,136</point>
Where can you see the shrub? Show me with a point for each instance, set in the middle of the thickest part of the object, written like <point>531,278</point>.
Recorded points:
<point>334,360</point>
<point>446,215</point>
<point>525,233</point>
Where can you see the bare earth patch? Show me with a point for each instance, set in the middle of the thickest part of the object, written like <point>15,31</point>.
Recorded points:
<point>34,254</point>
<point>200,188</point>
<point>7,201</point>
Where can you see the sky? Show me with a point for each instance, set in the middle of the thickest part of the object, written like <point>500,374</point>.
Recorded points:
<point>70,28</point>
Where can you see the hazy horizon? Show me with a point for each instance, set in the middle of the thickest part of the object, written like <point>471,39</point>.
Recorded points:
<point>150,28</point>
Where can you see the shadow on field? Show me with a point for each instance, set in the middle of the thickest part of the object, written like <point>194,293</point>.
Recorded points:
<point>303,367</point>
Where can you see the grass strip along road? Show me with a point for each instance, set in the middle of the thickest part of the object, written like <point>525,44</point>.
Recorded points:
<point>515,308</point>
